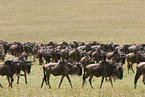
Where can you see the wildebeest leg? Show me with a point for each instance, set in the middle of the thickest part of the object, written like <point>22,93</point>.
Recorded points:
<point>84,78</point>
<point>136,78</point>
<point>90,80</point>
<point>69,81</point>
<point>40,61</point>
<point>10,82</point>
<point>128,66</point>
<point>18,79</point>
<point>48,77</point>
<point>60,81</point>
<point>25,77</point>
<point>132,68</point>
<point>102,81</point>
<point>1,86</point>
<point>110,79</point>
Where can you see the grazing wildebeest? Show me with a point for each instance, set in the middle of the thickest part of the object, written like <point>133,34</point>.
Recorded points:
<point>140,71</point>
<point>104,69</point>
<point>62,68</point>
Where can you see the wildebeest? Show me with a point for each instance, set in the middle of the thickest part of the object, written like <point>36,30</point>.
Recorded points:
<point>116,56</point>
<point>62,68</point>
<point>55,54</point>
<point>132,58</point>
<point>6,70</point>
<point>104,69</point>
<point>64,54</point>
<point>16,49</point>
<point>134,48</point>
<point>46,55</point>
<point>124,48</point>
<point>25,66</point>
<point>140,71</point>
<point>9,68</point>
<point>2,55</point>
<point>98,55</point>
<point>75,55</point>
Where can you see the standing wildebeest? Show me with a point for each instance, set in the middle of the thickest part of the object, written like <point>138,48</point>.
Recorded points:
<point>64,54</point>
<point>6,46</point>
<point>140,71</point>
<point>98,55</point>
<point>133,58</point>
<point>46,55</point>
<point>124,48</point>
<point>135,48</point>
<point>55,54</point>
<point>85,61</point>
<point>9,68</point>
<point>75,55</point>
<point>16,49</point>
<point>62,68</point>
<point>104,69</point>
<point>2,55</point>
<point>6,70</point>
<point>25,66</point>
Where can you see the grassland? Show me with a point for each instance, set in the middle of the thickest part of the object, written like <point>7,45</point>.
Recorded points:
<point>117,21</point>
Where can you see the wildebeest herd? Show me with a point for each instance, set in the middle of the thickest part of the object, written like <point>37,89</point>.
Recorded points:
<point>91,59</point>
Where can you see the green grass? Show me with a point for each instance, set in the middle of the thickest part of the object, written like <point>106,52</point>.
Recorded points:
<point>117,21</point>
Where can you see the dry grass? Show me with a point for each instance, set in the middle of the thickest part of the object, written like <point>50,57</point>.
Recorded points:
<point>118,21</point>
<point>82,20</point>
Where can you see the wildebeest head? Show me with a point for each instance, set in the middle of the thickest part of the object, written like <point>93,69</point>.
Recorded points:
<point>29,64</point>
<point>79,67</point>
<point>75,69</point>
<point>18,67</point>
<point>122,57</point>
<point>118,72</point>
